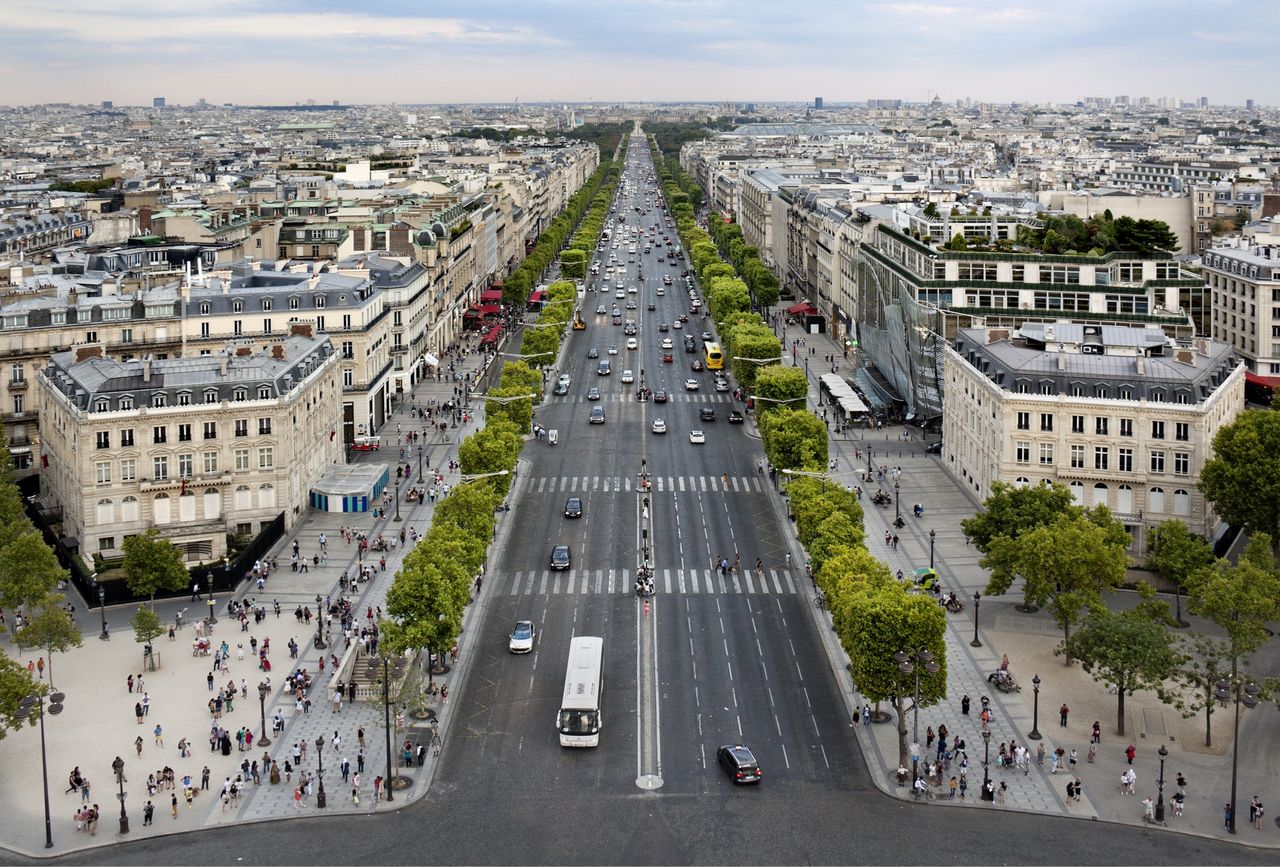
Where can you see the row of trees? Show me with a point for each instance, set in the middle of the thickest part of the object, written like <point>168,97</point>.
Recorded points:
<point>30,575</point>
<point>1068,557</point>
<point>873,614</point>
<point>516,288</point>
<point>428,595</point>
<point>581,247</point>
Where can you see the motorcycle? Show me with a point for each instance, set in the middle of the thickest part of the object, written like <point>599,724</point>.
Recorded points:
<point>880,498</point>
<point>953,604</point>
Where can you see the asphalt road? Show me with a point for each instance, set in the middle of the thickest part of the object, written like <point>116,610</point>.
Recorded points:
<point>730,658</point>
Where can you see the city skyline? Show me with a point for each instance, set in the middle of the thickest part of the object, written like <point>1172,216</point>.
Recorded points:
<point>495,51</point>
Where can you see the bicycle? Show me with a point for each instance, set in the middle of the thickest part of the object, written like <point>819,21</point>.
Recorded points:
<point>927,793</point>
<point>820,600</point>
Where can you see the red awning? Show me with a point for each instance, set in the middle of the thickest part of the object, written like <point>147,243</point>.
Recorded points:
<point>804,308</point>
<point>1259,379</point>
<point>538,295</point>
<point>492,335</point>
<point>491,295</point>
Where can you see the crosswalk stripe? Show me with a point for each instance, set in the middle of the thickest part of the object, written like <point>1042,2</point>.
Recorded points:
<point>724,589</point>
<point>703,479</point>
<point>682,483</point>
<point>737,588</point>
<point>555,585</point>
<point>751,587</point>
<point>693,581</point>
<point>599,579</point>
<point>542,587</point>
<point>586,582</point>
<point>666,579</point>
<point>777,585</point>
<point>791,587</point>
<point>515,584</point>
<point>734,483</point>
<point>659,484</point>
<point>680,580</point>
<point>604,485</point>
<point>611,590</point>
<point>528,586</point>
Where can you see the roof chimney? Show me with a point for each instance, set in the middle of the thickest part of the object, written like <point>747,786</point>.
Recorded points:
<point>146,369</point>
<point>277,351</point>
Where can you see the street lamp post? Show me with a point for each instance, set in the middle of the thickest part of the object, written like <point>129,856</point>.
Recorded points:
<point>397,497</point>
<point>1246,693</point>
<point>263,690</point>
<point>932,534</point>
<point>1034,734</point>
<point>897,502</point>
<point>386,706</point>
<point>25,706</point>
<point>977,599</point>
<point>986,767</point>
<point>911,663</point>
<point>320,799</point>
<point>102,610</point>
<point>212,618</point>
<point>1164,754</point>
<point>118,767</point>
<point>319,641</point>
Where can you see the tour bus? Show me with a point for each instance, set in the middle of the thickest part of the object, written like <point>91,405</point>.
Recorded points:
<point>579,719</point>
<point>715,358</point>
<point>367,444</point>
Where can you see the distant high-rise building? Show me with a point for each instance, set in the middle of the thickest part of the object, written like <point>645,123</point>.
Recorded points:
<point>1204,102</point>
<point>200,103</point>
<point>1248,104</point>
<point>884,103</point>
<point>106,103</point>
<point>158,102</point>
<point>817,102</point>
<point>1122,100</point>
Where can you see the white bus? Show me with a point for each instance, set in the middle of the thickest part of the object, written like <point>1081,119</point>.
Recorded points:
<point>579,718</point>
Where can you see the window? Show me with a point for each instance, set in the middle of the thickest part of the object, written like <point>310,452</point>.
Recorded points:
<point>348,350</point>
<point>205,308</point>
<point>1126,427</point>
<point>159,434</point>
<point>1046,453</point>
<point>348,377</point>
<point>1181,502</point>
<point>1023,452</point>
<point>1101,455</point>
<point>1125,464</point>
<point>211,430</point>
<point>186,465</point>
<point>293,302</point>
<point>160,468</point>
<point>184,398</point>
<point>264,426</point>
<point>266,304</point>
<point>184,433</point>
<point>1157,461</point>
<point>346,322</point>
<point>264,392</point>
<point>242,427</point>
<point>1157,430</point>
<point>211,395</point>
<point>266,458</point>
<point>158,399</point>
<point>266,326</point>
<point>210,463</point>
<point>1126,393</point>
<point>128,470</point>
<point>242,459</point>
<point>91,337</point>
<point>1024,421</point>
<point>103,439</point>
<point>1077,457</point>
<point>1182,463</point>
<point>1046,421</point>
<point>102,405</point>
<point>1182,432</point>
<point>1077,424</point>
<point>237,327</point>
<point>1100,426</point>
<point>17,373</point>
<point>19,404</point>
<point>102,472</point>
<point>126,335</point>
<point>240,394</point>
<point>237,306</point>
<point>318,301</point>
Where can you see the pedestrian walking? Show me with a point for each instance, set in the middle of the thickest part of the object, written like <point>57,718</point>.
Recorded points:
<point>40,667</point>
<point>1072,759</point>
<point>866,714</point>
<point>159,733</point>
<point>1130,752</point>
<point>964,705</point>
<point>148,810</point>
<point>1062,715</point>
<point>137,745</point>
<point>1079,789</point>
<point>1097,732</point>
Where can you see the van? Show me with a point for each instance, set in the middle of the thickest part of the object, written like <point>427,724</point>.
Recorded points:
<point>367,444</point>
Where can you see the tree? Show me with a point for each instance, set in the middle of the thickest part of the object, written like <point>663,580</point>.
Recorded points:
<point>146,626</point>
<point>794,440</point>
<point>853,565</point>
<point>782,387</point>
<point>470,505</point>
<point>29,570</point>
<point>1240,598</point>
<point>424,609</point>
<point>153,563</point>
<point>49,627</point>
<point>884,619</point>
<point>1202,662</point>
<point>1177,553</point>
<point>1011,510</point>
<point>1066,565</point>
<point>1242,479</point>
<point>1127,650</point>
<point>518,412</point>
<point>753,342</point>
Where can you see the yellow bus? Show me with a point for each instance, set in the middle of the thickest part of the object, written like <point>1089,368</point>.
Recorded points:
<point>715,357</point>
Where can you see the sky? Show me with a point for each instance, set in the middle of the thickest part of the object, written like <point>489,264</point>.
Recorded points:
<point>426,51</point>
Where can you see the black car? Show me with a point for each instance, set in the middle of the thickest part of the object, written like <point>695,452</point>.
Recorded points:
<point>593,393</point>
<point>933,448</point>
<point>653,306</point>
<point>593,353</point>
<point>660,396</point>
<point>664,327</point>
<point>573,507</point>
<point>739,763</point>
<point>560,558</point>
<point>707,413</point>
<point>735,417</point>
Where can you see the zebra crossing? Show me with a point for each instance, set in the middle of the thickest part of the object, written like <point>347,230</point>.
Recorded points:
<point>661,484</point>
<point>672,397</point>
<point>614,582</point>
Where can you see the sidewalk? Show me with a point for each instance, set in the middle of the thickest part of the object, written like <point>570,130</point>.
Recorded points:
<point>98,722</point>
<point>1029,641</point>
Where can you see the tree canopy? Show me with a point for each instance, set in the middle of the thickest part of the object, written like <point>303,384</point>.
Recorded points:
<point>153,563</point>
<point>1242,478</point>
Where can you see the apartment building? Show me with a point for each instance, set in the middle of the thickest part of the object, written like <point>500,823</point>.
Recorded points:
<point>31,236</point>
<point>1245,285</point>
<point>1124,417</point>
<point>197,447</point>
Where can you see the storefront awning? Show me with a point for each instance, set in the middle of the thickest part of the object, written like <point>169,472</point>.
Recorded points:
<point>492,335</point>
<point>804,308</point>
<point>494,295</point>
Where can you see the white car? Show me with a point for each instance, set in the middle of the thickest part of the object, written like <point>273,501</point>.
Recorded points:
<point>691,385</point>
<point>666,343</point>
<point>522,637</point>
<point>696,437</point>
<point>677,324</point>
<point>632,343</point>
<point>659,426</point>
<point>613,350</point>
<point>627,375</point>
<point>620,294</point>
<point>722,385</point>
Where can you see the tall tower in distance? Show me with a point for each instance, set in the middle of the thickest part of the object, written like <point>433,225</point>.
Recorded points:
<point>817,102</point>
<point>157,102</point>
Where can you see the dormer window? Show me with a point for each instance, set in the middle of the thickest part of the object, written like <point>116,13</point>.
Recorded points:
<point>184,398</point>
<point>264,392</point>
<point>293,302</point>
<point>102,405</point>
<point>126,403</point>
<point>319,301</point>
<point>159,399</point>
<point>266,304</point>
<point>237,306</point>
<point>241,394</point>
<point>211,395</point>
<point>205,308</point>
<point>342,299</point>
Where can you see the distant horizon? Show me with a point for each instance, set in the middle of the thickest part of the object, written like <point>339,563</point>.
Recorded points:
<point>570,52</point>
